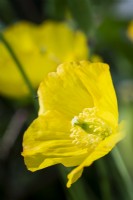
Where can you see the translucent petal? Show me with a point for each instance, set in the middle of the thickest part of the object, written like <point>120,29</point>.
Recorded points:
<point>64,91</point>
<point>97,79</point>
<point>83,85</point>
<point>47,142</point>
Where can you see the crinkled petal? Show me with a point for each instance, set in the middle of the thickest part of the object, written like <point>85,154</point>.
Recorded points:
<point>47,142</point>
<point>97,79</point>
<point>64,91</point>
<point>101,150</point>
<point>84,84</point>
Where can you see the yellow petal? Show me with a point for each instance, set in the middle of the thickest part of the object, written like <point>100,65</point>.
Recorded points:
<point>97,79</point>
<point>47,142</point>
<point>39,49</point>
<point>101,150</point>
<point>33,61</point>
<point>63,43</point>
<point>83,85</point>
<point>64,91</point>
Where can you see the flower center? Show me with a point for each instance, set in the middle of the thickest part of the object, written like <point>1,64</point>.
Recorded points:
<point>88,129</point>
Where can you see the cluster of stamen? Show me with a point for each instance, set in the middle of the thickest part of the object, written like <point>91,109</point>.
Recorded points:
<point>88,129</point>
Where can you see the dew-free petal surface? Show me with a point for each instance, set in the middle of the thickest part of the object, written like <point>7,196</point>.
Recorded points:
<point>78,119</point>
<point>47,142</point>
<point>64,91</point>
<point>84,85</point>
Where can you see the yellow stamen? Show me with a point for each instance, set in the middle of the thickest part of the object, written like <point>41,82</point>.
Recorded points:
<point>88,129</point>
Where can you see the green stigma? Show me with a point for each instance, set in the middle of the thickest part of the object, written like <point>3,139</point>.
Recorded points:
<point>88,128</point>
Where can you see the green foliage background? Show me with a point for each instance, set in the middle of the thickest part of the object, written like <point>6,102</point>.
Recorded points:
<point>106,30</point>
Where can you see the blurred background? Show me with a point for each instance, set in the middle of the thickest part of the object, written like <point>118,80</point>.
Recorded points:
<point>107,26</point>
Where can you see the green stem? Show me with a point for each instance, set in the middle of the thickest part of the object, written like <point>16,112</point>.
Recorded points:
<point>21,70</point>
<point>104,180</point>
<point>123,171</point>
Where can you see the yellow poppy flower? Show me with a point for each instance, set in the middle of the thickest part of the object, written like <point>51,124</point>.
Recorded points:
<point>130,31</point>
<point>78,119</point>
<point>40,49</point>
